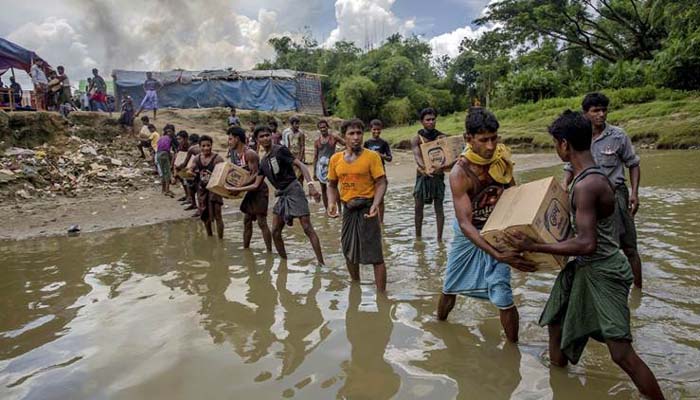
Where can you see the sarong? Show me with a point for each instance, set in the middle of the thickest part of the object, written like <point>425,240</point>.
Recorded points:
<point>205,202</point>
<point>150,100</point>
<point>291,203</point>
<point>625,220</point>
<point>430,189</point>
<point>473,272</point>
<point>255,202</point>
<point>361,238</point>
<point>590,301</point>
<point>163,162</point>
<point>64,96</point>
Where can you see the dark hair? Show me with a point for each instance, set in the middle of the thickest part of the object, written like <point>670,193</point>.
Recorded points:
<point>151,126</point>
<point>170,127</point>
<point>238,132</point>
<point>573,127</point>
<point>273,123</point>
<point>352,123</point>
<point>182,133</point>
<point>377,123</point>
<point>427,111</point>
<point>206,138</point>
<point>194,138</point>
<point>94,70</point>
<point>261,128</point>
<point>594,99</point>
<point>480,120</point>
<point>61,67</point>
<point>144,119</point>
<point>322,121</point>
<point>293,119</point>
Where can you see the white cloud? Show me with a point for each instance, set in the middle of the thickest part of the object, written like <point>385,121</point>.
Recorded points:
<point>448,43</point>
<point>366,22</point>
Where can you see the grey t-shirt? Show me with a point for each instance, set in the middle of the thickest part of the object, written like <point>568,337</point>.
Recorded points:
<point>612,151</point>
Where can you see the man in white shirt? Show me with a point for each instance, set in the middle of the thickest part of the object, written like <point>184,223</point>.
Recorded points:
<point>40,83</point>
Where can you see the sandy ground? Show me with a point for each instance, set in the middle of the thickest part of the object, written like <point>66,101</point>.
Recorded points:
<point>103,211</point>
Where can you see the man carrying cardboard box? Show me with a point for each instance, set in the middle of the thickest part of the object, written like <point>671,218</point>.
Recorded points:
<point>254,204</point>
<point>277,166</point>
<point>209,204</point>
<point>613,151</point>
<point>430,186</point>
<point>474,267</point>
<point>589,297</point>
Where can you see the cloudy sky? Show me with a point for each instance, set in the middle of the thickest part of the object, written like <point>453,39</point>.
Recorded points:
<point>198,34</point>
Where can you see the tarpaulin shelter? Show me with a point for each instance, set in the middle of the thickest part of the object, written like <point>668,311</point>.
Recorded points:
<point>263,90</point>
<point>15,56</point>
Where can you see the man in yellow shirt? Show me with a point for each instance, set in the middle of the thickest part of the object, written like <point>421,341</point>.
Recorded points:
<point>356,175</point>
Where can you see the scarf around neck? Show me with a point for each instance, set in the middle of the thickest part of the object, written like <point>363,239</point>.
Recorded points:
<point>500,165</point>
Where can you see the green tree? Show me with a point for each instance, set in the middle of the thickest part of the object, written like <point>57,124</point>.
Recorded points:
<point>357,97</point>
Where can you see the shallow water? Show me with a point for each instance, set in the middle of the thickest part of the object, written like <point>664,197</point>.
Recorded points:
<point>163,312</point>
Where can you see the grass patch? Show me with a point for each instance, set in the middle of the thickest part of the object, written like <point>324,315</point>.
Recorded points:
<point>665,118</point>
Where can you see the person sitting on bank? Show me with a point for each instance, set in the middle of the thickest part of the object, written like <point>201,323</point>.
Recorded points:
<point>612,151</point>
<point>356,177</point>
<point>474,267</point>
<point>233,119</point>
<point>277,167</point>
<point>429,187</point>
<point>255,202</point>
<point>589,297</point>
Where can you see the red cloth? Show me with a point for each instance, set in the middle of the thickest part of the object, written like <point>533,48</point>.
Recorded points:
<point>99,97</point>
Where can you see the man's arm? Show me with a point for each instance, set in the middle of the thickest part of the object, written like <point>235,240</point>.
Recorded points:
<point>417,154</point>
<point>250,187</point>
<point>253,162</point>
<point>315,158</point>
<point>379,191</point>
<point>338,139</point>
<point>333,196</point>
<point>635,176</point>
<point>387,155</point>
<point>302,147</point>
<point>304,169</point>
<point>585,242</point>
<point>460,184</point>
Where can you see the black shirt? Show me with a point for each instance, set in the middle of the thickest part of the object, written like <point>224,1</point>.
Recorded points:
<point>379,145</point>
<point>277,167</point>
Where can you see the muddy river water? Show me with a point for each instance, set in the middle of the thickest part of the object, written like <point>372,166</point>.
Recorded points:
<point>161,312</point>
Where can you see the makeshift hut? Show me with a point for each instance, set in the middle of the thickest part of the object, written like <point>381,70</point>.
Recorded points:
<point>14,56</point>
<point>263,90</point>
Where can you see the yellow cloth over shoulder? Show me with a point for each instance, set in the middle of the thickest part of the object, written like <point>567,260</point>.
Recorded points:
<point>501,167</point>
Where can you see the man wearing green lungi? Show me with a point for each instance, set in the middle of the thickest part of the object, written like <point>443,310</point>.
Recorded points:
<point>589,297</point>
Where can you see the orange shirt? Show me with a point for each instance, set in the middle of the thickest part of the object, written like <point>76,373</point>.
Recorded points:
<point>355,179</point>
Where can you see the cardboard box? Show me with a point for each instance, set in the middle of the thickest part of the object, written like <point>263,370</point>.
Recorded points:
<point>539,210</point>
<point>180,158</point>
<point>440,153</point>
<point>226,173</point>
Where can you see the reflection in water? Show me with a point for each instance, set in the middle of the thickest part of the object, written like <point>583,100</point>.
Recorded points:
<point>162,312</point>
<point>368,333</point>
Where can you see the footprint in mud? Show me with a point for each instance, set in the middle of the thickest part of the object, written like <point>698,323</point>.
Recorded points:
<point>329,382</point>
<point>289,393</point>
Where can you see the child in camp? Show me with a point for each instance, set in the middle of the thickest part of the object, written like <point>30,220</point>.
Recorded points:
<point>356,176</point>
<point>589,297</point>
<point>381,146</point>
<point>163,160</point>
<point>183,144</point>
<point>277,166</point>
<point>144,137</point>
<point>254,204</point>
<point>276,135</point>
<point>209,203</point>
<point>192,183</point>
<point>324,148</point>
<point>153,139</point>
<point>233,120</point>
<point>474,267</point>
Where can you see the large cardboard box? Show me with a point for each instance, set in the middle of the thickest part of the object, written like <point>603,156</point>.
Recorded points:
<point>440,153</point>
<point>226,173</point>
<point>180,158</point>
<point>539,210</point>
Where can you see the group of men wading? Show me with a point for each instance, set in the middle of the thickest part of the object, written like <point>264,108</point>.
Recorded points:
<point>589,297</point>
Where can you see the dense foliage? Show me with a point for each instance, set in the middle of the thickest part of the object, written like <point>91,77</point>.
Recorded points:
<point>541,49</point>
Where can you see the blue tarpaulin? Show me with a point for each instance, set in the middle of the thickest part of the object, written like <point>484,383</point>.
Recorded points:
<point>15,56</point>
<point>276,91</point>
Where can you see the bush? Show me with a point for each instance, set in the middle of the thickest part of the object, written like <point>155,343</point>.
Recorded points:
<point>357,97</point>
<point>531,85</point>
<point>678,65</point>
<point>397,111</point>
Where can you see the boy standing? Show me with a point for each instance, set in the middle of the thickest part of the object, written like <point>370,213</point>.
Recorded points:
<point>209,203</point>
<point>295,140</point>
<point>233,120</point>
<point>356,176</point>
<point>381,146</point>
<point>589,297</point>
<point>430,187</point>
<point>324,148</point>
